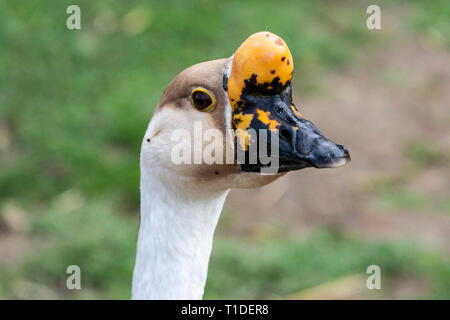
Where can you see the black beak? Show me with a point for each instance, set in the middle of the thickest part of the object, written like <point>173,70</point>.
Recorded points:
<point>307,147</point>
<point>300,143</point>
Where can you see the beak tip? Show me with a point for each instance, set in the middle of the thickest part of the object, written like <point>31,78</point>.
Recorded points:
<point>336,162</point>
<point>340,162</point>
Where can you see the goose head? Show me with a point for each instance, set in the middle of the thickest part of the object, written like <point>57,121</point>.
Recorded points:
<point>208,123</point>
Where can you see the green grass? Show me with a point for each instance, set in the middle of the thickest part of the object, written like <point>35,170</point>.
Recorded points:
<point>433,20</point>
<point>391,193</point>
<point>423,153</point>
<point>277,268</point>
<point>102,242</point>
<point>97,238</point>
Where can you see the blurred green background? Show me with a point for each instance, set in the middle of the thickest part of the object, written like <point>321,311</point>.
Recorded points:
<point>74,106</point>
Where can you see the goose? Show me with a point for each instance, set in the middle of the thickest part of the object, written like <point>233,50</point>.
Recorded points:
<point>181,202</point>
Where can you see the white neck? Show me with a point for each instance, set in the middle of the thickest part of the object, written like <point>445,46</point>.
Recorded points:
<point>175,238</point>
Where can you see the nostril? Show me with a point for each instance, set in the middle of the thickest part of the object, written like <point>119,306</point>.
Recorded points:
<point>286,134</point>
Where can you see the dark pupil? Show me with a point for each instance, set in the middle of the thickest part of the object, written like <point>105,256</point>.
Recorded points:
<point>202,100</point>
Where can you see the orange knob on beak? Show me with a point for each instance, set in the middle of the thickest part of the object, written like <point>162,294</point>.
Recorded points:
<point>260,94</point>
<point>263,56</point>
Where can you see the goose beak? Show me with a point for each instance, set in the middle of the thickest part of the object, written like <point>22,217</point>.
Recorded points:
<point>260,94</point>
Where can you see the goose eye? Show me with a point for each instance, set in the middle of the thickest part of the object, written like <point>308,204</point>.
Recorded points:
<point>202,99</point>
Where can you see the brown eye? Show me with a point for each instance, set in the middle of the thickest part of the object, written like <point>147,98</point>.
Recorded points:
<point>202,99</point>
